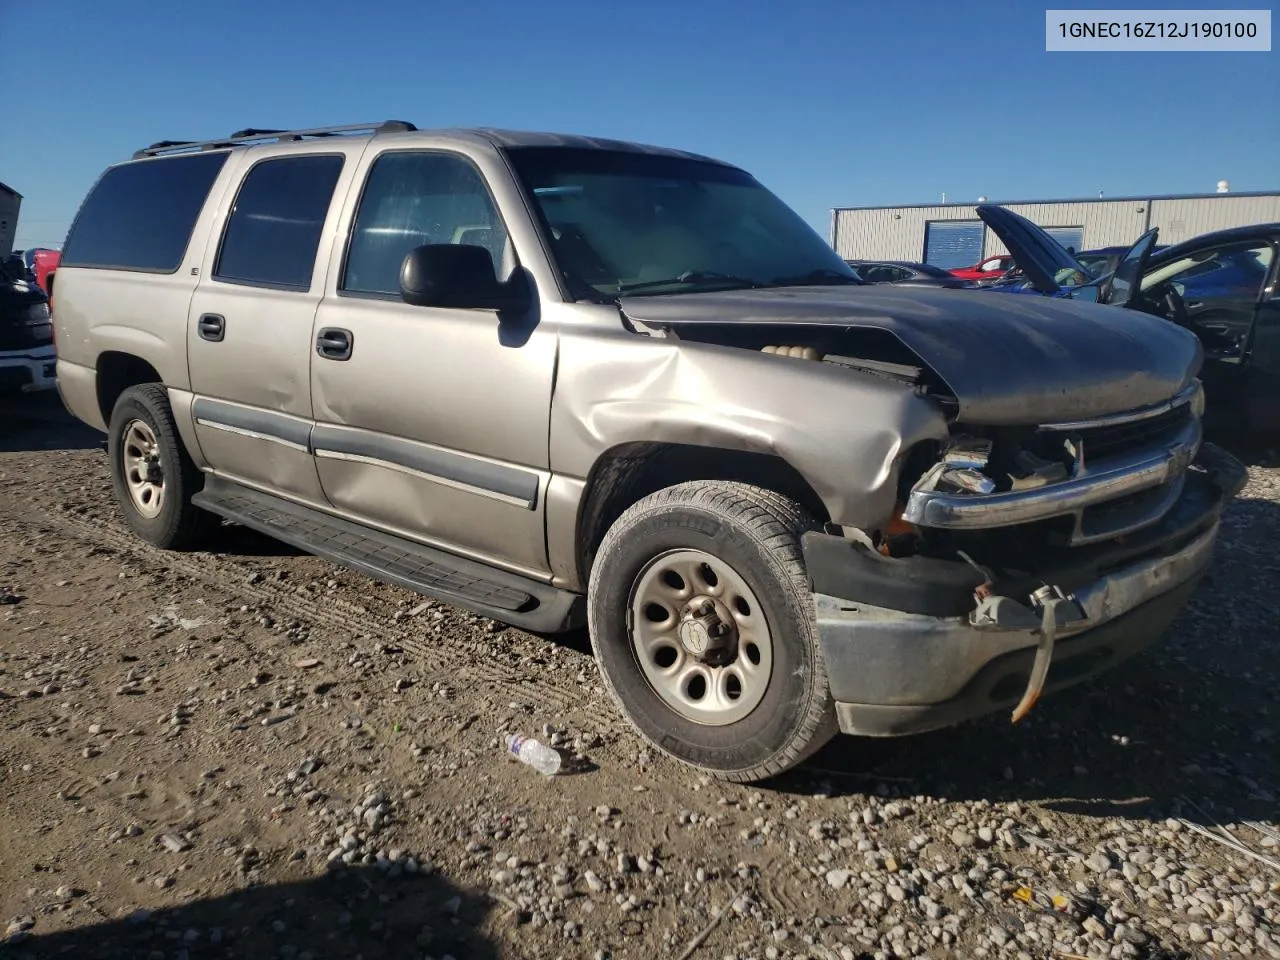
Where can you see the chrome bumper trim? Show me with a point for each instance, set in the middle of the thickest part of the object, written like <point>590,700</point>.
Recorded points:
<point>1098,483</point>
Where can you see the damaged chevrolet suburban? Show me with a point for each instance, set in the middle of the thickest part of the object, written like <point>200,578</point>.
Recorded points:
<point>556,380</point>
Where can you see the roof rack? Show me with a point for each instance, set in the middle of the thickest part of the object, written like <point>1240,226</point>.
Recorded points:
<point>255,135</point>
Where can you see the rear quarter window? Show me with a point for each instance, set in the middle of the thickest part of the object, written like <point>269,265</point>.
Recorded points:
<point>139,216</point>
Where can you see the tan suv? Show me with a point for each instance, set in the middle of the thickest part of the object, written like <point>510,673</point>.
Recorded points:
<point>554,379</point>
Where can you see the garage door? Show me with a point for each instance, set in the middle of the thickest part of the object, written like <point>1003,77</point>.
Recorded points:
<point>1067,236</point>
<point>953,243</point>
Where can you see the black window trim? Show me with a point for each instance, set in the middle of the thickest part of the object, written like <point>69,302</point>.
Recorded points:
<point>226,224</point>
<point>355,216</point>
<point>186,250</point>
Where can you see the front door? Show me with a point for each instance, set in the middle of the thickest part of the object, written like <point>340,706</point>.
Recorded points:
<point>434,423</point>
<point>1215,291</point>
<point>249,340</point>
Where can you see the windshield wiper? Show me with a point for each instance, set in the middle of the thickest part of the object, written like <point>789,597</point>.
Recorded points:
<point>815,277</point>
<point>697,277</point>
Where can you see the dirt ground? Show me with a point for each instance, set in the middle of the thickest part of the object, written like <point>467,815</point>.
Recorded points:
<point>248,752</point>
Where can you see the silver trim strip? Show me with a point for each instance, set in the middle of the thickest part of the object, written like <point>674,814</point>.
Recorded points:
<point>254,422</point>
<point>252,434</point>
<point>1185,396</point>
<point>1100,482</point>
<point>421,475</point>
<point>431,462</point>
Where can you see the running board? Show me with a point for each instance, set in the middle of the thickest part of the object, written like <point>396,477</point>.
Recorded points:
<point>474,586</point>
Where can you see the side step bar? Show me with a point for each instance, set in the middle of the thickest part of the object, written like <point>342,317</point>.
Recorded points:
<point>474,586</point>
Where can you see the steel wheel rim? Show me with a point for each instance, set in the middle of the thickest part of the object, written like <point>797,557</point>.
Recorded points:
<point>142,468</point>
<point>711,694</point>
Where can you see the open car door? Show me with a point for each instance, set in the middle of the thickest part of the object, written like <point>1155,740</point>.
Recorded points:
<point>1125,282</point>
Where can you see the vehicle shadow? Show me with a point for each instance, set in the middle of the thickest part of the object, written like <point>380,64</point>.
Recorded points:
<point>356,913</point>
<point>39,422</point>
<point>1255,450</point>
<point>231,539</point>
<point>1187,728</point>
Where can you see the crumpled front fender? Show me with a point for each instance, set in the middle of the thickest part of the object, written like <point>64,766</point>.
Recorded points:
<point>844,431</point>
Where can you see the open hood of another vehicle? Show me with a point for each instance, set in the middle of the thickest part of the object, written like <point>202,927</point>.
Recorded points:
<point>1036,252</point>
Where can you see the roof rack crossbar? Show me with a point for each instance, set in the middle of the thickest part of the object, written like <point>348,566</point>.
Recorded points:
<point>254,134</point>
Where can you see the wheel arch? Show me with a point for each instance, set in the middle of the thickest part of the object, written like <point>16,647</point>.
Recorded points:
<point>117,371</point>
<point>628,472</point>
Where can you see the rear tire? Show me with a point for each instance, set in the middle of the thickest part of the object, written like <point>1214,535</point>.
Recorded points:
<point>760,704</point>
<point>153,477</point>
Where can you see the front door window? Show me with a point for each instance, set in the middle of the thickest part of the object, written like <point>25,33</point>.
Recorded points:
<point>1213,291</point>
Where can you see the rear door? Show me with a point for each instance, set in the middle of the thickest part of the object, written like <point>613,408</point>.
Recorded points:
<point>249,335</point>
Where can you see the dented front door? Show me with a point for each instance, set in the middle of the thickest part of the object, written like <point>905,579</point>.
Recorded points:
<point>434,423</point>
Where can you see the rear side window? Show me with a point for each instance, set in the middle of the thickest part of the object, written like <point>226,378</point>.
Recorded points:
<point>139,216</point>
<point>274,228</point>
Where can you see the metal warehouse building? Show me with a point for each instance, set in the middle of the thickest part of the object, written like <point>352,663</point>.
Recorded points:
<point>10,203</point>
<point>951,235</point>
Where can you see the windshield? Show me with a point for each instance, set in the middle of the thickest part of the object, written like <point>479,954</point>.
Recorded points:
<point>622,222</point>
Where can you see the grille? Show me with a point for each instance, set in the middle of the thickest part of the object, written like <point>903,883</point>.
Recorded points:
<point>1110,439</point>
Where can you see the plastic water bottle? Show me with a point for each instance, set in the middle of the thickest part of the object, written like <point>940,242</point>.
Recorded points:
<point>542,758</point>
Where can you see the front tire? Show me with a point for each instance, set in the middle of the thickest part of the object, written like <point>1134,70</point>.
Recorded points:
<point>153,477</point>
<point>702,621</point>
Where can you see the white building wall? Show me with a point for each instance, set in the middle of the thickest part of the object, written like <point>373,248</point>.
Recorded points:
<point>1180,220</point>
<point>898,233</point>
<point>9,205</point>
<point>1105,222</point>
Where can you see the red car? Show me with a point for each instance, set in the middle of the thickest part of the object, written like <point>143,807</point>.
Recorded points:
<point>43,263</point>
<point>987,269</point>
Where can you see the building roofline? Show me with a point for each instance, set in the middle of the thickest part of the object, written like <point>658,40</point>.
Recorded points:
<point>4,187</point>
<point>1128,199</point>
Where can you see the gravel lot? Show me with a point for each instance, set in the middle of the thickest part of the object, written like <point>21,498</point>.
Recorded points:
<point>252,753</point>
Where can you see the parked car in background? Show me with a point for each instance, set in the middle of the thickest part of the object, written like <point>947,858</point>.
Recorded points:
<point>27,361</point>
<point>1222,286</point>
<point>989,269</point>
<point>41,261</point>
<point>905,272</point>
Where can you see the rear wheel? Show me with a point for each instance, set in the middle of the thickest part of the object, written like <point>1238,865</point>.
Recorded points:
<point>153,477</point>
<point>702,621</point>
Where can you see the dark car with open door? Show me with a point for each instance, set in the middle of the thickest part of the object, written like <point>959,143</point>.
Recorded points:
<point>1223,286</point>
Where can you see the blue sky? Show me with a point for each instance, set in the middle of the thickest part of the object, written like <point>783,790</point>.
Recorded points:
<point>847,103</point>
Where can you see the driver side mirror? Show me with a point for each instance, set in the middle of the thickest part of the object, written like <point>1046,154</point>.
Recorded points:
<point>458,276</point>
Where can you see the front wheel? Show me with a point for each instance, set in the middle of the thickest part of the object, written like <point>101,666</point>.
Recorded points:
<point>702,620</point>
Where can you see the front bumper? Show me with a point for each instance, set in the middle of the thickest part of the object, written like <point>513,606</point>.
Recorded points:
<point>902,656</point>
<point>28,370</point>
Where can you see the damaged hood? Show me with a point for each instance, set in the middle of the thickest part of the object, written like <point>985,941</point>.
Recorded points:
<point>1007,360</point>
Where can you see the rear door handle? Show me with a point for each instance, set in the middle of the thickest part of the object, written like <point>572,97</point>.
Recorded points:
<point>212,327</point>
<point>334,343</point>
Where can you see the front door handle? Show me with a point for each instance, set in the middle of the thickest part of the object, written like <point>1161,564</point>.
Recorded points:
<point>212,327</point>
<point>334,343</point>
